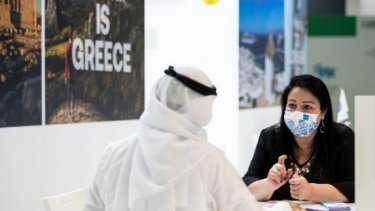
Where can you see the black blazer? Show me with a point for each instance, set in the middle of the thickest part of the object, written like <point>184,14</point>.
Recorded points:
<point>340,160</point>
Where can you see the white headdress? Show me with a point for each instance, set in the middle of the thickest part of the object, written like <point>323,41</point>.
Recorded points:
<point>171,141</point>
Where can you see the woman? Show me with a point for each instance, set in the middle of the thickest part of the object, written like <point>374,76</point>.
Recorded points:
<point>168,165</point>
<point>306,156</point>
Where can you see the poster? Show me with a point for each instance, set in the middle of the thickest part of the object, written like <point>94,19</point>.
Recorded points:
<point>298,55</point>
<point>94,60</point>
<point>20,63</point>
<point>272,48</point>
<point>261,52</point>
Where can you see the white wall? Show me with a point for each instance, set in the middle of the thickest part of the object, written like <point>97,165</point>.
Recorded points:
<point>352,7</point>
<point>364,151</point>
<point>360,7</point>
<point>251,122</point>
<point>367,7</point>
<point>38,161</point>
<point>193,33</point>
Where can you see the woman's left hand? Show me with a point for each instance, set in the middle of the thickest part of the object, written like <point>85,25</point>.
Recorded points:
<point>300,188</point>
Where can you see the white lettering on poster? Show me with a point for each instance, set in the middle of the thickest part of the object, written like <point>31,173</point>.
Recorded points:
<point>101,55</point>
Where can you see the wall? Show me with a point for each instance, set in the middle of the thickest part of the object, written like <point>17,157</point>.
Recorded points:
<point>38,161</point>
<point>193,33</point>
<point>251,122</point>
<point>365,136</point>
<point>364,151</point>
<point>366,7</point>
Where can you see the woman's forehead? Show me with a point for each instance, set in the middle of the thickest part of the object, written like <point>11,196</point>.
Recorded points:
<point>300,95</point>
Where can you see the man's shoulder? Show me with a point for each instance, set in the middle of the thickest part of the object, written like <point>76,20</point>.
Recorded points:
<point>212,149</point>
<point>118,148</point>
<point>121,143</point>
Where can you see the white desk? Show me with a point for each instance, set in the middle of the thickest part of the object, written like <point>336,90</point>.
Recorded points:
<point>305,204</point>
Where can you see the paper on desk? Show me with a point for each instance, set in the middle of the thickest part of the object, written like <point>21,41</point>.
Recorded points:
<point>276,206</point>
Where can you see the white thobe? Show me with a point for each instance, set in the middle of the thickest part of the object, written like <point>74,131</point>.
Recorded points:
<point>219,182</point>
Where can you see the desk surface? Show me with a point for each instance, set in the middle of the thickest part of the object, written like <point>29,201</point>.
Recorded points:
<point>305,204</point>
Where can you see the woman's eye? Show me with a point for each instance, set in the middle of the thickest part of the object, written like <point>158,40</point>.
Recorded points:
<point>292,106</point>
<point>306,107</point>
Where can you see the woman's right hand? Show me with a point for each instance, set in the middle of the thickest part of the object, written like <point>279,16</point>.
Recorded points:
<point>278,175</point>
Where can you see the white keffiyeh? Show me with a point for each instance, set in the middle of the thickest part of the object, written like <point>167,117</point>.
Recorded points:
<point>170,143</point>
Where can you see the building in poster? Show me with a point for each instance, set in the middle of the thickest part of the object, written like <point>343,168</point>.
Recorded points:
<point>261,53</point>
<point>20,64</point>
<point>94,60</point>
<point>16,14</point>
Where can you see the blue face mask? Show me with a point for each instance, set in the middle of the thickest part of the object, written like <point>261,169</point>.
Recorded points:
<point>301,124</point>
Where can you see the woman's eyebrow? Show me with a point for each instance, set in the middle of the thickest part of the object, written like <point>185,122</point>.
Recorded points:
<point>312,102</point>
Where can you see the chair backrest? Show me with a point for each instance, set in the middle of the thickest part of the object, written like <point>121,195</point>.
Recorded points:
<point>69,201</point>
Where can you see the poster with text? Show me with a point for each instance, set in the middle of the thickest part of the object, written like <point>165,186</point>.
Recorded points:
<point>261,52</point>
<point>94,60</point>
<point>20,63</point>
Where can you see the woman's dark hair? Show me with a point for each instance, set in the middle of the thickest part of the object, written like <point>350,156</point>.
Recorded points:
<point>323,140</point>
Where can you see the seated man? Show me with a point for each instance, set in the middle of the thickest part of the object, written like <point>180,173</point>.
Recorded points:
<point>168,165</point>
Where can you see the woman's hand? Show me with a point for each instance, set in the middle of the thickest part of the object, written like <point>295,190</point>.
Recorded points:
<point>300,188</point>
<point>278,175</point>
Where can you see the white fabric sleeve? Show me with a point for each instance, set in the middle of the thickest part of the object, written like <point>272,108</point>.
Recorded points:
<point>94,191</point>
<point>232,194</point>
<point>95,194</point>
<point>228,189</point>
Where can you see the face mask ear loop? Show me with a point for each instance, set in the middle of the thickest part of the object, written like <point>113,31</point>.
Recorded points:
<point>322,128</point>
